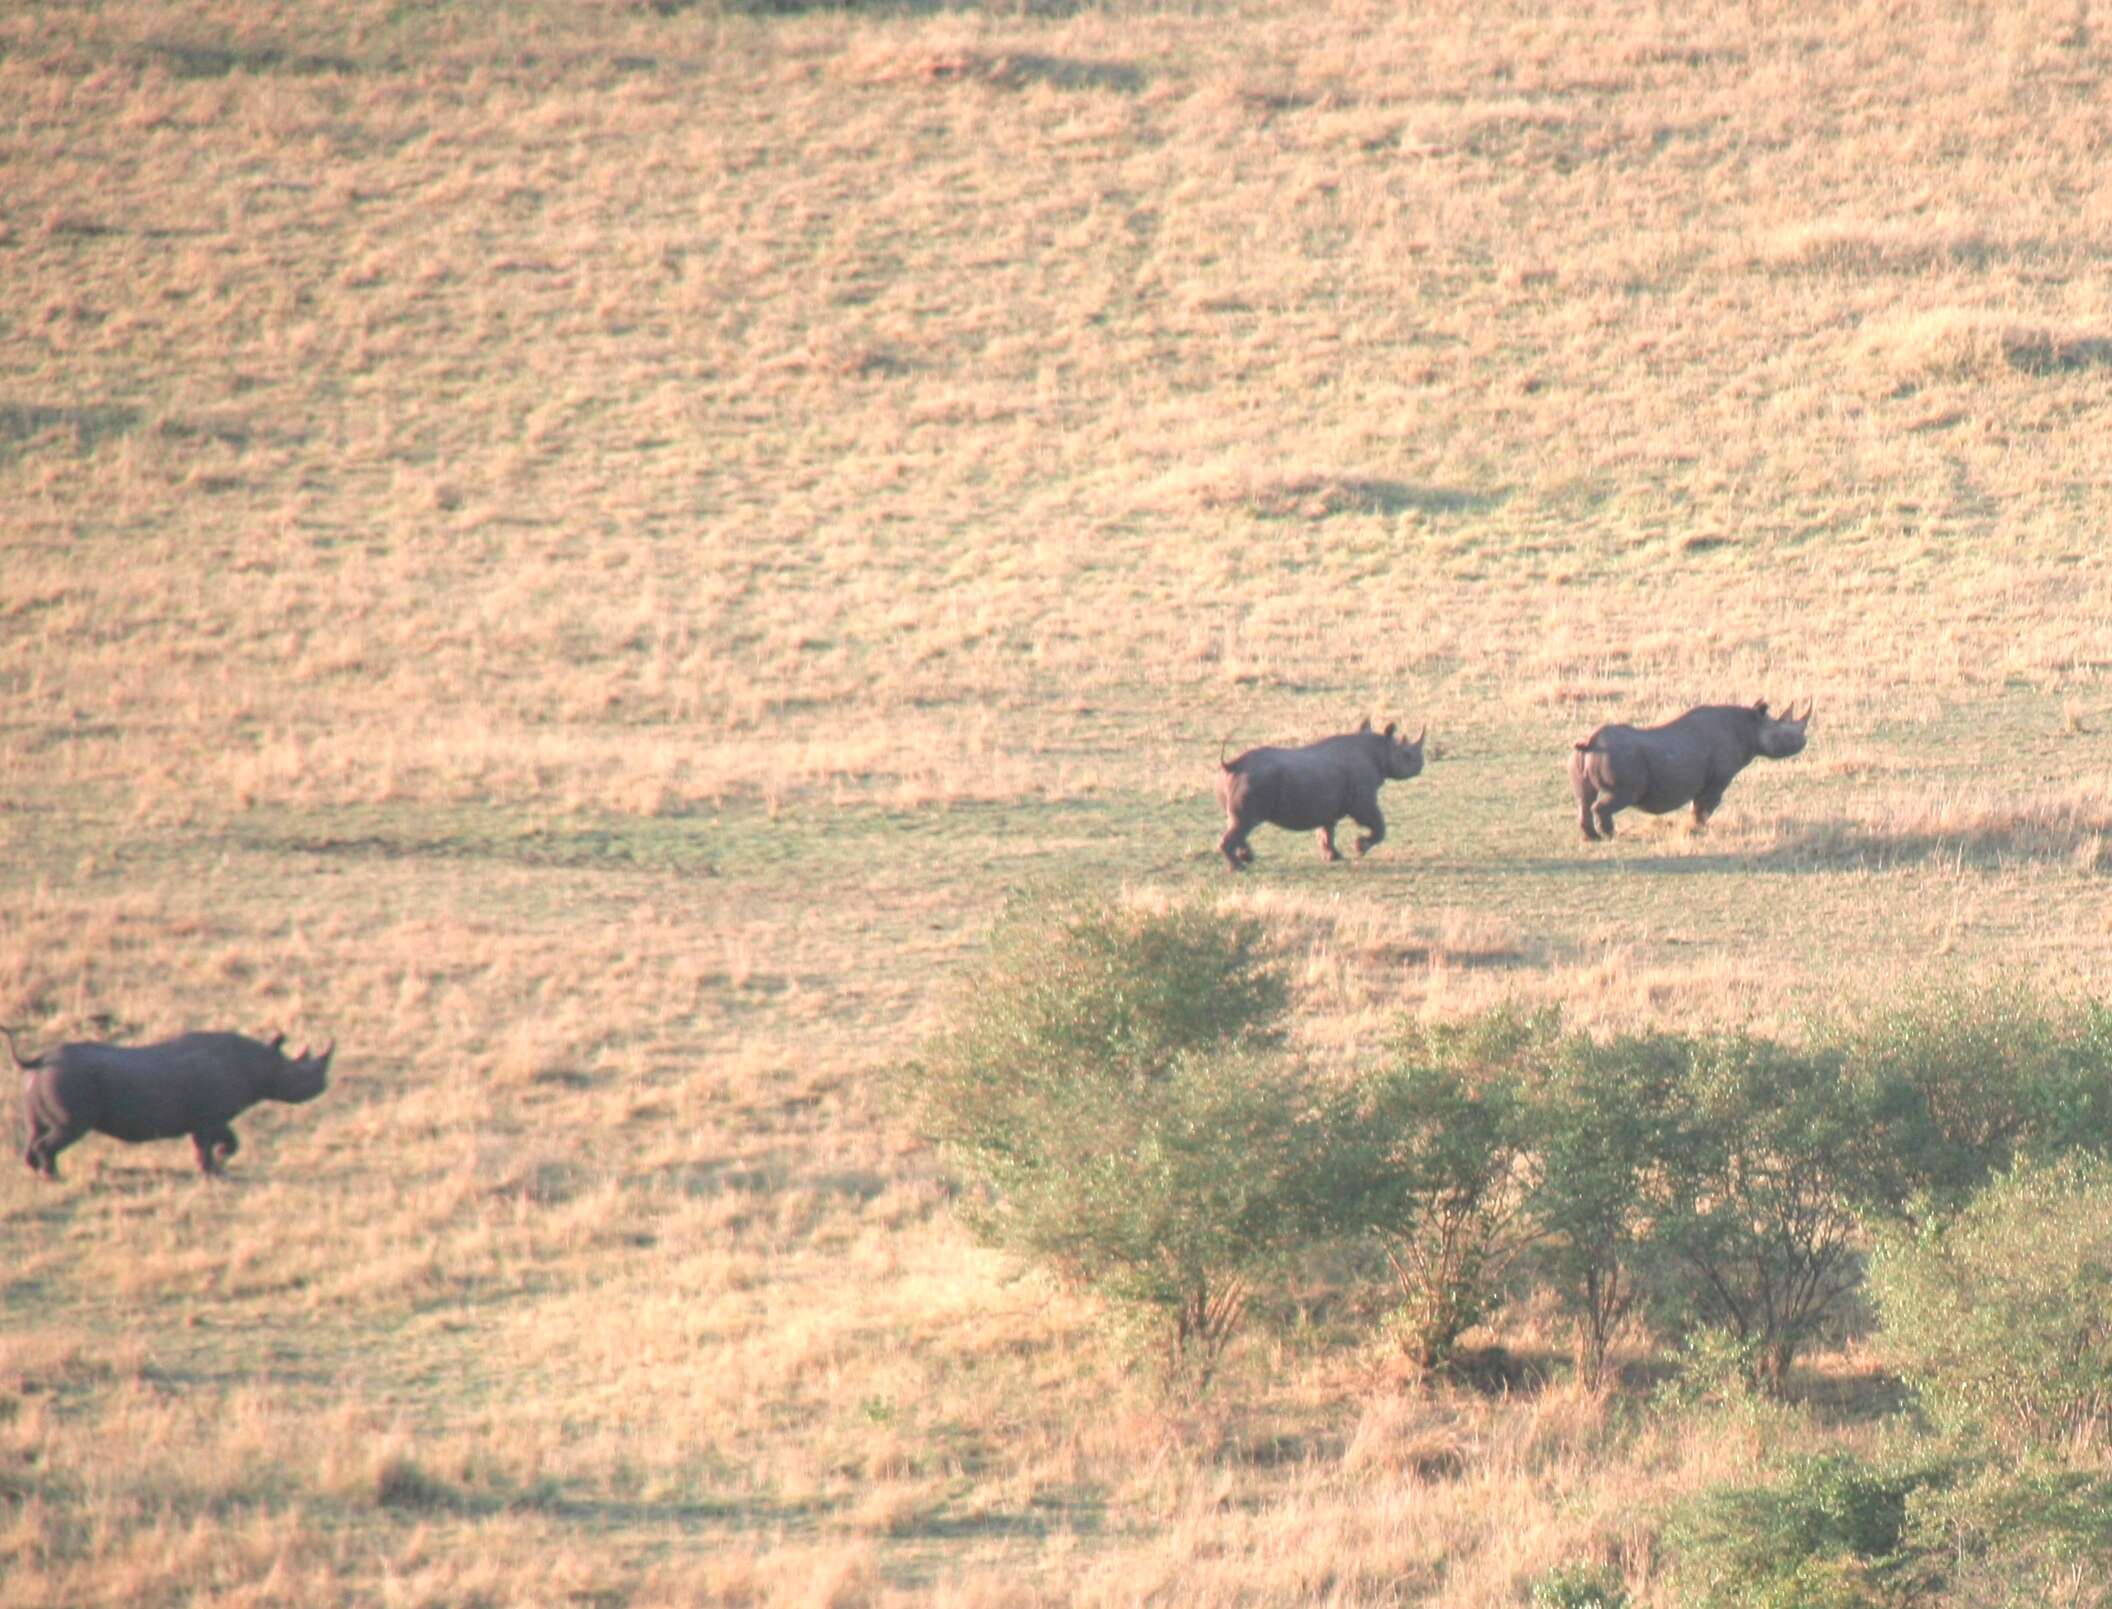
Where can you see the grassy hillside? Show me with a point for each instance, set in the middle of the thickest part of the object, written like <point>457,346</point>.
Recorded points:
<point>586,552</point>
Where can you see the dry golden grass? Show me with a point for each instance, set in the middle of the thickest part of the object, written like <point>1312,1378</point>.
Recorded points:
<point>583,552</point>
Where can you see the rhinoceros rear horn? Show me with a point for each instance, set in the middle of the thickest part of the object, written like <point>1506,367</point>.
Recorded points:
<point>1419,736</point>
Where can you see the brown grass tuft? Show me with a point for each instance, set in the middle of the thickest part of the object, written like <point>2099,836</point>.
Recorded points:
<point>1409,1436</point>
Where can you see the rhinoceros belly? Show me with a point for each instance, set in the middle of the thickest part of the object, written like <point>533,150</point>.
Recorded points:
<point>1672,784</point>
<point>1304,804</point>
<point>137,1107</point>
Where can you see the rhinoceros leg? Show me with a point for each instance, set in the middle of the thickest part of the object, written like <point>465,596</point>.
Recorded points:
<point>1234,847</point>
<point>1375,833</point>
<point>1326,835</point>
<point>1605,815</point>
<point>1587,794</point>
<point>1705,804</point>
<point>45,1144</point>
<point>214,1147</point>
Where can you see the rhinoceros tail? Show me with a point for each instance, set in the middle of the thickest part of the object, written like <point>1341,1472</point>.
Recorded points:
<point>1223,743</point>
<point>32,1064</point>
<point>1584,745</point>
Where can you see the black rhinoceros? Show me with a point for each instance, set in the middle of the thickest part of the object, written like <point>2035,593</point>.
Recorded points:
<point>1688,760</point>
<point>1309,789</point>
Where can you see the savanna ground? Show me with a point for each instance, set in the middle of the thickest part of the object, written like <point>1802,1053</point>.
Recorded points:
<point>586,552</point>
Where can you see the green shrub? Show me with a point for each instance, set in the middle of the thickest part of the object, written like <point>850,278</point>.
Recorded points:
<point>1963,1079</point>
<point>2018,1538</point>
<point>2002,1318</point>
<point>1579,1586</point>
<point>1103,1082</point>
<point>1837,1532</point>
<point>1437,1159</point>
<point>1829,1534</point>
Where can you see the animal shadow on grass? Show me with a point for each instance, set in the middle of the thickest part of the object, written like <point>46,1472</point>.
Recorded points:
<point>1316,496</point>
<point>20,422</point>
<point>1046,1519</point>
<point>2056,356</point>
<point>1063,72</point>
<point>1700,865</point>
<point>1471,958</point>
<point>136,1181</point>
<point>1812,847</point>
<point>1725,864</point>
<point>1008,69</point>
<point>188,58</point>
<point>1047,1514</point>
<point>136,1186</point>
<point>2080,837</point>
<point>1052,9</point>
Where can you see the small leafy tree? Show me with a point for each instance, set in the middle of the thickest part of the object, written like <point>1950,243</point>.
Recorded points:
<point>1103,1081</point>
<point>1440,1147</point>
<point>1601,1128</point>
<point>2002,1318</point>
<point>1186,1195</point>
<point>1082,988</point>
<point>1766,1156</point>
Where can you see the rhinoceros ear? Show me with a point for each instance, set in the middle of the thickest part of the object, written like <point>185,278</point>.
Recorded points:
<point>1366,727</point>
<point>1391,728</point>
<point>1760,707</point>
<point>276,1041</point>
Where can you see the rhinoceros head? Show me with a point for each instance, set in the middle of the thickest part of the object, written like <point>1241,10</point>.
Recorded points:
<point>302,1077</point>
<point>1782,735</point>
<point>1403,758</point>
